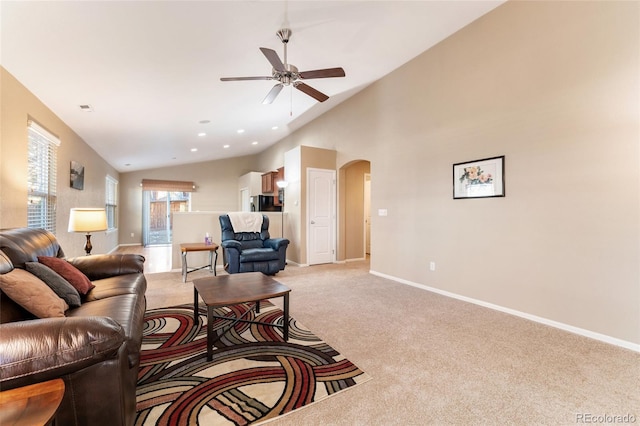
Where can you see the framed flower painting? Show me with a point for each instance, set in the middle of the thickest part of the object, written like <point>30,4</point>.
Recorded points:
<point>479,178</point>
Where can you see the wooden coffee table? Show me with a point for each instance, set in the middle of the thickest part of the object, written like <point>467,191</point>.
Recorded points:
<point>229,290</point>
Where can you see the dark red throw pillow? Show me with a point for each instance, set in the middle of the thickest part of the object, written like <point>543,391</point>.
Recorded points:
<point>69,272</point>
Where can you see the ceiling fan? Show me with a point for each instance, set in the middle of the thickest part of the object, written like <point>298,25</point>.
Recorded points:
<point>286,74</point>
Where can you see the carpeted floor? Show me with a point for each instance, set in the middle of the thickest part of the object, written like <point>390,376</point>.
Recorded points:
<point>254,375</point>
<point>436,360</point>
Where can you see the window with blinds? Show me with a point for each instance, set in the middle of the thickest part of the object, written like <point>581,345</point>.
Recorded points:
<point>41,179</point>
<point>111,203</point>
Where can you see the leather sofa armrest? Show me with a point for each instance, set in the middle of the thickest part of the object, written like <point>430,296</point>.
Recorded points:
<point>276,243</point>
<point>100,266</point>
<point>44,349</point>
<point>232,244</point>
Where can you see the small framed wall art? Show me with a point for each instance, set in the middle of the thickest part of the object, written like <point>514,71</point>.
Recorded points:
<point>479,179</point>
<point>77,175</point>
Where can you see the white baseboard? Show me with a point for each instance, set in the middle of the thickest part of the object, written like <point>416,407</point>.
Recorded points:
<point>113,250</point>
<point>566,327</point>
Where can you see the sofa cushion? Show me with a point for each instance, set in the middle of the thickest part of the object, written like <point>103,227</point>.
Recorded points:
<point>26,244</point>
<point>69,272</point>
<point>57,283</point>
<point>116,286</point>
<point>33,294</point>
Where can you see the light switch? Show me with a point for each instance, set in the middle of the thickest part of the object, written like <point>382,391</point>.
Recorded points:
<point>382,212</point>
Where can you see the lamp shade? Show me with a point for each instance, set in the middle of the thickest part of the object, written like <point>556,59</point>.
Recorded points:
<point>87,220</point>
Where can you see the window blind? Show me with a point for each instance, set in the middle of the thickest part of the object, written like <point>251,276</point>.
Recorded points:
<point>167,185</point>
<point>41,177</point>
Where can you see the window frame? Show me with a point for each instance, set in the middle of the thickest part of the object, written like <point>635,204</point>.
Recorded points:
<point>111,203</point>
<point>42,182</point>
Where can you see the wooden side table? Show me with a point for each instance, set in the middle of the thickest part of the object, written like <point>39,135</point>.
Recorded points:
<point>31,405</point>
<point>188,247</point>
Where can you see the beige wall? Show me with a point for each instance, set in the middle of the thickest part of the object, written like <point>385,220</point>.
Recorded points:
<point>18,105</point>
<point>554,87</point>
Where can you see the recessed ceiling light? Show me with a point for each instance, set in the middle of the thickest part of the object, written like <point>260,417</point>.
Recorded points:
<point>86,108</point>
<point>204,121</point>
<point>194,149</point>
<point>254,143</point>
<point>127,164</point>
<point>202,134</point>
<point>240,130</point>
<point>226,146</point>
<point>274,128</point>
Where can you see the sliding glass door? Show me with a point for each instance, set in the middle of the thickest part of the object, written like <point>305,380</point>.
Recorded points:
<point>157,218</point>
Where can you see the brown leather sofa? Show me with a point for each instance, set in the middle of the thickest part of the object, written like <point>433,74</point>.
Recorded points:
<point>95,348</point>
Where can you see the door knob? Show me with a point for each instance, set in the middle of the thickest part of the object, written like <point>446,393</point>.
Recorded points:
<point>313,222</point>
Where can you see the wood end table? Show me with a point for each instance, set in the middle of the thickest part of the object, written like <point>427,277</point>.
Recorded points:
<point>32,404</point>
<point>234,289</point>
<point>189,247</point>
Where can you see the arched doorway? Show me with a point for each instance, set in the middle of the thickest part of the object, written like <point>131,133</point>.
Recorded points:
<point>353,213</point>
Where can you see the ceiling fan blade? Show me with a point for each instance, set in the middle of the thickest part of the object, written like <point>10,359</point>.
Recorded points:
<point>317,95</point>
<point>244,78</point>
<point>273,93</point>
<point>325,73</point>
<point>273,58</point>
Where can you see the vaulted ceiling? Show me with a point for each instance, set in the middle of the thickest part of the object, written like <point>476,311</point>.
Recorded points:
<point>148,72</point>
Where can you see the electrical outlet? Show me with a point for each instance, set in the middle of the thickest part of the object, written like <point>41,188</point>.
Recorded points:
<point>132,235</point>
<point>432,266</point>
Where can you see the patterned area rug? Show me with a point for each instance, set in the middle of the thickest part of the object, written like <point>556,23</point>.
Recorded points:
<point>255,375</point>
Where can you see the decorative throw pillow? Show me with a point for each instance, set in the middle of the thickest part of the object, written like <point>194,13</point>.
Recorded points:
<point>69,272</point>
<point>59,285</point>
<point>33,294</point>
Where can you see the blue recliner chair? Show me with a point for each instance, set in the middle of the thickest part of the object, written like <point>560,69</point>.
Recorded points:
<point>252,251</point>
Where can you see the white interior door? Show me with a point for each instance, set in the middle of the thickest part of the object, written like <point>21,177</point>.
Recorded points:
<point>367,214</point>
<point>321,216</point>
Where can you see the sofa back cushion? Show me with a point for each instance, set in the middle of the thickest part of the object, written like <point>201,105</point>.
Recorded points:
<point>23,245</point>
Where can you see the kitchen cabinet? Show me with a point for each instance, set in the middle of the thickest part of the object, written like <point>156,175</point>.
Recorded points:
<point>269,182</point>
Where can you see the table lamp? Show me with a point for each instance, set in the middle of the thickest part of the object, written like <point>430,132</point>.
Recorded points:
<point>87,220</point>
